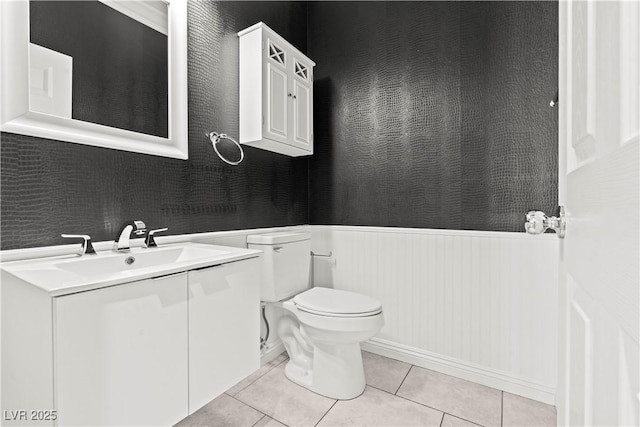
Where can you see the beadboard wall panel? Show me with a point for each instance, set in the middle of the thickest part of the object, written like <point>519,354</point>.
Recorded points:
<point>476,304</point>
<point>433,114</point>
<point>51,187</point>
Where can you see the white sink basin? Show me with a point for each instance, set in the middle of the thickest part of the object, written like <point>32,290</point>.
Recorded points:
<point>125,262</point>
<point>70,274</point>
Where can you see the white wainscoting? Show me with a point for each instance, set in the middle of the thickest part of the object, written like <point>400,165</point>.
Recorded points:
<point>478,305</point>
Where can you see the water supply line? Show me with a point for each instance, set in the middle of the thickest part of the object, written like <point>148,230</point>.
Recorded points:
<point>263,341</point>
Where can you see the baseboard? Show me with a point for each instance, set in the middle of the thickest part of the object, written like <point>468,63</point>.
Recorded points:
<point>271,352</point>
<point>461,369</point>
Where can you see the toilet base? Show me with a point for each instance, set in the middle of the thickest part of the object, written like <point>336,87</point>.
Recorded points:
<point>324,351</point>
<point>337,371</point>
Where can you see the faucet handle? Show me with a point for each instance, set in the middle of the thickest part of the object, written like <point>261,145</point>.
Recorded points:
<point>149,241</point>
<point>85,247</point>
<point>139,228</point>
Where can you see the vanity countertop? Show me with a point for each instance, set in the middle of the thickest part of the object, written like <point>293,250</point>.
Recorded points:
<point>67,274</point>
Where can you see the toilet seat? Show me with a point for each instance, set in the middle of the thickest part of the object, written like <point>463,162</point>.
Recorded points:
<point>336,303</point>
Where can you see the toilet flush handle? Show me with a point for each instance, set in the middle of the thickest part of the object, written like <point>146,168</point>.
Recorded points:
<point>277,249</point>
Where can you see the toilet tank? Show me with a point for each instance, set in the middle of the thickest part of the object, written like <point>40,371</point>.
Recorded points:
<point>286,263</point>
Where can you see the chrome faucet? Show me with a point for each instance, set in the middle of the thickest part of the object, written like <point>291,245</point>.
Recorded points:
<point>121,242</point>
<point>86,247</point>
<point>149,239</point>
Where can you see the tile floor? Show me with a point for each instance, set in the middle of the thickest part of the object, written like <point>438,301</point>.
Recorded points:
<point>397,394</point>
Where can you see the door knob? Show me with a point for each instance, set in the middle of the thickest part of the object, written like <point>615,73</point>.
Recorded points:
<point>537,222</point>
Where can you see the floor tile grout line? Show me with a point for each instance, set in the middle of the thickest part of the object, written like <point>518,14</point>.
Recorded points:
<point>378,388</point>
<point>502,408</point>
<point>463,419</point>
<point>325,414</point>
<point>422,404</point>
<point>251,383</point>
<point>440,410</point>
<point>427,406</point>
<point>280,421</point>
<point>403,380</point>
<point>256,409</point>
<point>336,401</point>
<point>261,418</point>
<point>269,370</point>
<point>409,400</point>
<point>267,415</point>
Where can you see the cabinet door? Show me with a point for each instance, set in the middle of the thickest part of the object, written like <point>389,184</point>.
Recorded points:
<point>276,96</point>
<point>302,119</point>
<point>224,328</point>
<point>121,354</point>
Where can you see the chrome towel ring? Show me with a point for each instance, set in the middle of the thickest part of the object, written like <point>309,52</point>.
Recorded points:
<point>215,137</point>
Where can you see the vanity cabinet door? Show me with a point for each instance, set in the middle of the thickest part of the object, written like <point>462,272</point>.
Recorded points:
<point>224,328</point>
<point>121,354</point>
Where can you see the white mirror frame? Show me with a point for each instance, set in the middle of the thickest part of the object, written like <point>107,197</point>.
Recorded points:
<point>16,116</point>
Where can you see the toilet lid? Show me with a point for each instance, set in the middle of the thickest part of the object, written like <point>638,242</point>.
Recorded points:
<point>333,302</point>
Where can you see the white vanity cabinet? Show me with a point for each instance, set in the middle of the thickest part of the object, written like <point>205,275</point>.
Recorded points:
<point>276,93</point>
<point>224,328</point>
<point>121,354</point>
<point>149,351</point>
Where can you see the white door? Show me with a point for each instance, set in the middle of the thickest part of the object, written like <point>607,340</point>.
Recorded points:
<point>599,267</point>
<point>121,354</point>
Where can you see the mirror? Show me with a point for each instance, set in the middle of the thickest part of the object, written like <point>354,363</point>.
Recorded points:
<point>111,79</point>
<point>108,66</point>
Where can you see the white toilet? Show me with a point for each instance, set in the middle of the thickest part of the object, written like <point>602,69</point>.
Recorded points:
<point>323,328</point>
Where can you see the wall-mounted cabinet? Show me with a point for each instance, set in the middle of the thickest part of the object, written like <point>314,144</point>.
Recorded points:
<point>276,93</point>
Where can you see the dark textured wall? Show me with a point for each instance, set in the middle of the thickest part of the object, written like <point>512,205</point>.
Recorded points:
<point>433,114</point>
<point>52,187</point>
<point>427,114</point>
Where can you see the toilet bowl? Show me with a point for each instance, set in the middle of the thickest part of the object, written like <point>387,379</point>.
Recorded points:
<point>321,328</point>
<point>323,342</point>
